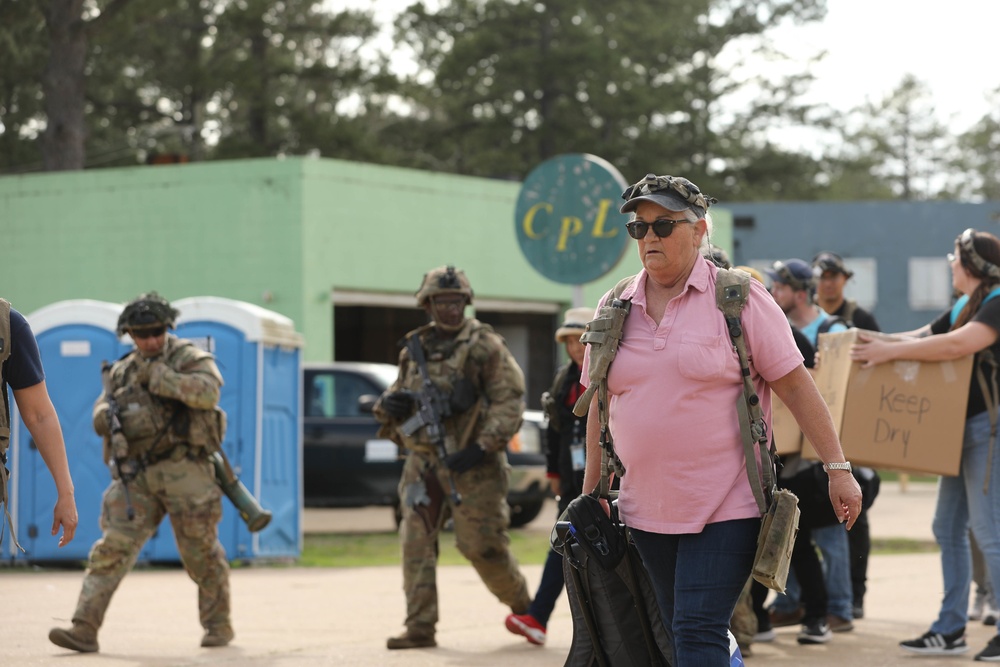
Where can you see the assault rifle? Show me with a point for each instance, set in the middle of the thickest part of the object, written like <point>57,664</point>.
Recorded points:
<point>126,471</point>
<point>433,407</point>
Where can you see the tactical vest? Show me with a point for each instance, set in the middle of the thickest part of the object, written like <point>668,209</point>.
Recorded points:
<point>153,425</point>
<point>446,367</point>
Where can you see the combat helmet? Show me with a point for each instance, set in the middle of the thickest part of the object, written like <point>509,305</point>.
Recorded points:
<point>146,311</point>
<point>444,280</point>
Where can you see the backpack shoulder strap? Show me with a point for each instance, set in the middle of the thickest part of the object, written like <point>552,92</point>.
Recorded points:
<point>732,289</point>
<point>848,316</point>
<point>603,334</point>
<point>829,322</point>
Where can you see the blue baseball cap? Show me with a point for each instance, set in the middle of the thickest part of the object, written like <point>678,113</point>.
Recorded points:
<point>795,273</point>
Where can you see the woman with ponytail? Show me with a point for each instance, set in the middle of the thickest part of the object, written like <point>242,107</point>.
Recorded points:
<point>972,498</point>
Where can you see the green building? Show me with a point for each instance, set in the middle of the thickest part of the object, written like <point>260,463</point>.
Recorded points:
<point>339,247</point>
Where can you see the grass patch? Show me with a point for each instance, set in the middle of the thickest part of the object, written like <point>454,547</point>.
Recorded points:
<point>901,545</point>
<point>893,476</point>
<point>366,549</point>
<point>530,548</point>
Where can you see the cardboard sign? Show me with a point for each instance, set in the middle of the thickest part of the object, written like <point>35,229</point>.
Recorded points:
<point>784,428</point>
<point>902,415</point>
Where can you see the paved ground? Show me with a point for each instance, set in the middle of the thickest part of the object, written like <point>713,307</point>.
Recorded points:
<point>293,617</point>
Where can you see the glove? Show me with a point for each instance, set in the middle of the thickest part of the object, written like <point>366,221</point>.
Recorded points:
<point>466,459</point>
<point>141,376</point>
<point>398,404</point>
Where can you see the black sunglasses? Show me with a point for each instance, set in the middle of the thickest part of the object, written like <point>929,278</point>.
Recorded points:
<point>663,228</point>
<point>147,333</point>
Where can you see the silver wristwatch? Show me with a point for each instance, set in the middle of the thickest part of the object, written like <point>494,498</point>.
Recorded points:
<point>846,465</point>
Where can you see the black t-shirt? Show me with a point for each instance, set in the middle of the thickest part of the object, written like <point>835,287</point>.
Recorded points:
<point>24,366</point>
<point>988,314</point>
<point>860,318</point>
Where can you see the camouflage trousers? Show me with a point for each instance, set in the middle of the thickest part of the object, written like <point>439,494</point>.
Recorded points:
<point>186,491</point>
<point>480,524</point>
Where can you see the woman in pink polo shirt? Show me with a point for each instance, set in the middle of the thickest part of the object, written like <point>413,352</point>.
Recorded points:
<point>673,388</point>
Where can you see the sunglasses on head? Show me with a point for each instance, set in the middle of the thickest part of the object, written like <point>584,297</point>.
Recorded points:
<point>148,333</point>
<point>663,228</point>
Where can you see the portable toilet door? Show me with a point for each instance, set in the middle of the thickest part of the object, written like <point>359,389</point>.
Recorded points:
<point>259,355</point>
<point>74,337</point>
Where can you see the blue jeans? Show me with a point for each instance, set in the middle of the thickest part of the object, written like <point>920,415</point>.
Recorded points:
<point>961,504</point>
<point>549,588</point>
<point>832,542</point>
<point>698,579</point>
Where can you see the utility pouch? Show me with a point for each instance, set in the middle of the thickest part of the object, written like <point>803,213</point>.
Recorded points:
<point>140,417</point>
<point>603,335</point>
<point>778,530</point>
<point>602,536</point>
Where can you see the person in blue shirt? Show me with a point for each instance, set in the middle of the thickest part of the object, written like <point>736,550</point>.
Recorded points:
<point>22,372</point>
<point>793,286</point>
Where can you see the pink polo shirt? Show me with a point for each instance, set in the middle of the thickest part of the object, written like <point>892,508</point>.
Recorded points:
<point>674,386</point>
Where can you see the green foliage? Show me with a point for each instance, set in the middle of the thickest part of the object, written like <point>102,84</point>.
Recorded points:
<point>23,53</point>
<point>492,88</point>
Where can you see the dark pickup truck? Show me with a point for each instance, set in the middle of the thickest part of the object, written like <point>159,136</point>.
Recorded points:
<point>347,465</point>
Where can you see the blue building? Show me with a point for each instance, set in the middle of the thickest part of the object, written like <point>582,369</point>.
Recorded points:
<point>896,249</point>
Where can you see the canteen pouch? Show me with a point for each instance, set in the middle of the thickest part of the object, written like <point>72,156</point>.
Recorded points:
<point>778,530</point>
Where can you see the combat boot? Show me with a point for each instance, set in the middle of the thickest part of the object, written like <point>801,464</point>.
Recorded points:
<point>412,638</point>
<point>220,636</point>
<point>81,637</point>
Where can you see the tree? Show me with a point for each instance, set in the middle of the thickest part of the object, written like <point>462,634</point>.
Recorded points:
<point>64,79</point>
<point>906,144</point>
<point>505,85</point>
<point>979,161</point>
<point>23,52</point>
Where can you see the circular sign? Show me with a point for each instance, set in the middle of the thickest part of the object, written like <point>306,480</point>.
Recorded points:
<point>567,219</point>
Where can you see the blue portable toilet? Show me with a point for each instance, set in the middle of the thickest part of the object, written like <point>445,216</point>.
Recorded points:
<point>74,337</point>
<point>259,355</point>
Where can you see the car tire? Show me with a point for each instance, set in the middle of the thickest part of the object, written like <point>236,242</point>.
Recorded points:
<point>524,513</point>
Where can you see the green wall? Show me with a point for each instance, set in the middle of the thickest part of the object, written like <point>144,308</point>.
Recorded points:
<point>279,233</point>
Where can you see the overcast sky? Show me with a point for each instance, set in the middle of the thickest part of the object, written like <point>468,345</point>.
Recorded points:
<point>952,46</point>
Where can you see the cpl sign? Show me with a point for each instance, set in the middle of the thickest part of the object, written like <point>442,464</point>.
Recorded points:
<point>567,219</point>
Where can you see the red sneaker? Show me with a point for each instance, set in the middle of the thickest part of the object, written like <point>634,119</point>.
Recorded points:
<point>526,626</point>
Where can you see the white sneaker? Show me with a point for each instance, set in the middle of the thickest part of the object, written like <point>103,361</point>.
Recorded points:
<point>978,603</point>
<point>765,636</point>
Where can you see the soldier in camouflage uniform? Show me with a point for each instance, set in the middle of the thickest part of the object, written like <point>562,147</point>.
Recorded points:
<point>484,386</point>
<point>167,390</point>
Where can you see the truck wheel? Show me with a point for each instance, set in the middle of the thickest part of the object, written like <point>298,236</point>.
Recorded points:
<point>524,513</point>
